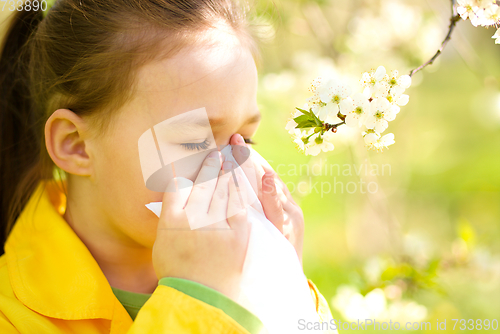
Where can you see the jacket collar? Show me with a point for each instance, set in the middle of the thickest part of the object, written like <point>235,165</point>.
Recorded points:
<point>52,271</point>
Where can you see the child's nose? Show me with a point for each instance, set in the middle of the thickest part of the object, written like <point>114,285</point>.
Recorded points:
<point>234,139</point>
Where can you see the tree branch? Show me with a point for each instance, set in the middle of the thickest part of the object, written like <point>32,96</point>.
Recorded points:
<point>453,22</point>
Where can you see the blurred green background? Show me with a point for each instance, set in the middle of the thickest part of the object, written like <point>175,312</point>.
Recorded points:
<point>423,244</point>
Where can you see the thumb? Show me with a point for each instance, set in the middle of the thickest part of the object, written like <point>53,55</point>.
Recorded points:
<point>175,197</point>
<point>271,202</point>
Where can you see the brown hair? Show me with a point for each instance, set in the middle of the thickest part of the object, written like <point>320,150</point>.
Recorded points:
<point>83,56</point>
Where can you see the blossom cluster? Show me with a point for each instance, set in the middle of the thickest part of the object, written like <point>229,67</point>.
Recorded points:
<point>370,109</point>
<point>481,13</point>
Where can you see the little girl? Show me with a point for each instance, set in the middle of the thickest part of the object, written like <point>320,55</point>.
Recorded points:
<point>80,84</point>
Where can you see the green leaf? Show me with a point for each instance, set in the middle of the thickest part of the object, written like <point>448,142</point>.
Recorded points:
<point>315,121</point>
<point>301,118</point>
<point>305,112</point>
<point>306,124</point>
<point>318,121</point>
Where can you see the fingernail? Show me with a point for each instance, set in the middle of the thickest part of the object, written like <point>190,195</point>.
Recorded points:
<point>239,139</point>
<point>244,151</point>
<point>214,154</point>
<point>227,165</point>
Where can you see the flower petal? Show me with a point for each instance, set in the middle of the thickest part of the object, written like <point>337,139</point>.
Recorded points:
<point>381,125</point>
<point>387,140</point>
<point>290,126</point>
<point>346,106</point>
<point>380,73</point>
<point>381,104</point>
<point>403,100</point>
<point>390,115</point>
<point>370,121</point>
<point>397,91</point>
<point>404,81</point>
<point>327,146</point>
<point>323,113</point>
<point>312,150</point>
<point>371,138</point>
<point>360,100</point>
<point>352,120</point>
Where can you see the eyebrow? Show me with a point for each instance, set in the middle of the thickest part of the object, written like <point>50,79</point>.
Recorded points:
<point>219,122</point>
<point>184,124</point>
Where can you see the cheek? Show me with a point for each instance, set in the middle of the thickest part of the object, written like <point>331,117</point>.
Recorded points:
<point>122,191</point>
<point>117,168</point>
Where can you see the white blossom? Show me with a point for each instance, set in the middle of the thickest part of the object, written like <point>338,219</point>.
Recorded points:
<point>480,12</point>
<point>313,150</point>
<point>490,15</point>
<point>381,113</point>
<point>467,8</point>
<point>401,82</point>
<point>380,73</point>
<point>376,102</point>
<point>397,97</point>
<point>318,143</point>
<point>381,89</point>
<point>355,109</point>
<point>324,110</point>
<point>373,80</point>
<point>290,126</point>
<point>327,98</point>
<point>299,136</point>
<point>374,141</point>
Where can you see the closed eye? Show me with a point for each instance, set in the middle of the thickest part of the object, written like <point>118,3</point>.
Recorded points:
<point>196,146</point>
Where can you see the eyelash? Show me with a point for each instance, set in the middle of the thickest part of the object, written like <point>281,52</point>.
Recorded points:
<point>196,146</point>
<point>204,145</point>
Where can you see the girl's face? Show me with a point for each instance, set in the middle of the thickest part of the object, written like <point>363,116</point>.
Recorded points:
<point>219,74</point>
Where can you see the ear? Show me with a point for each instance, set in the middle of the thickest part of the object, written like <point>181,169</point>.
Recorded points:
<point>65,138</point>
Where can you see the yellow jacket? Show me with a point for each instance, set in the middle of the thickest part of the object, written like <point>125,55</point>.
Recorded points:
<point>50,283</point>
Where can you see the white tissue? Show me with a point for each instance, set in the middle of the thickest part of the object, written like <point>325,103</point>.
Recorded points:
<point>273,285</point>
<point>155,207</point>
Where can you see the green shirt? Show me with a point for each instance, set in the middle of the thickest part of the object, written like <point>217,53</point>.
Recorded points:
<point>133,301</point>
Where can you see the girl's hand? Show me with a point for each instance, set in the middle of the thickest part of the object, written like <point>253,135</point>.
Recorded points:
<point>277,202</point>
<point>212,255</point>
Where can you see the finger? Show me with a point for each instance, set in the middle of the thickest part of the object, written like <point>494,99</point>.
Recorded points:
<point>271,202</point>
<point>268,169</point>
<point>241,152</point>
<point>204,185</point>
<point>262,166</point>
<point>287,201</point>
<point>218,206</point>
<point>242,155</point>
<point>174,200</point>
<point>236,210</point>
